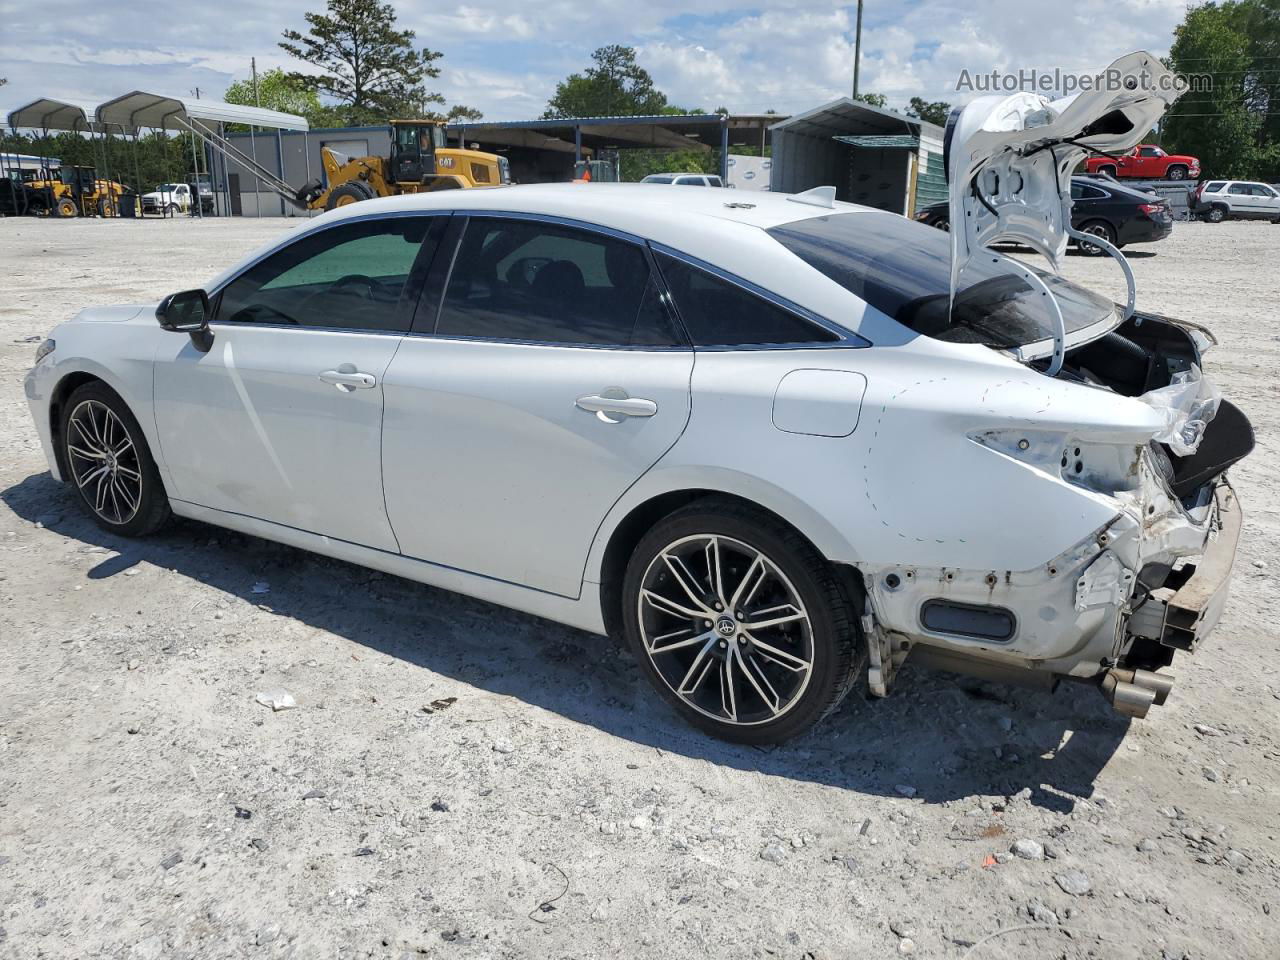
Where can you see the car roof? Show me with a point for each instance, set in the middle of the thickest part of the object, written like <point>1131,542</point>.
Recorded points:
<point>627,207</point>
<point>723,228</point>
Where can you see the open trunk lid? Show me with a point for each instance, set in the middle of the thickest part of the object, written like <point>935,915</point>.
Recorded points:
<point>1009,161</point>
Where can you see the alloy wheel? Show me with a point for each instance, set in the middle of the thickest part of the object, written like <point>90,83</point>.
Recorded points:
<point>104,462</point>
<point>1094,230</point>
<point>725,629</point>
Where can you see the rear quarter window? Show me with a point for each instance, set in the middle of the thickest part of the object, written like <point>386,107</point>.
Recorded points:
<point>719,313</point>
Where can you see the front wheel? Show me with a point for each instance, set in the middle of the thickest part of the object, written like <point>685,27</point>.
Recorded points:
<point>1177,173</point>
<point>739,623</point>
<point>109,463</point>
<point>67,208</point>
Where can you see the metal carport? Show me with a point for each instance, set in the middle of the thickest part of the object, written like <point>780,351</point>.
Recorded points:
<point>206,119</point>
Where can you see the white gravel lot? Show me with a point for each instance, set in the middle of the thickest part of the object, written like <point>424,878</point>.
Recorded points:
<point>556,808</point>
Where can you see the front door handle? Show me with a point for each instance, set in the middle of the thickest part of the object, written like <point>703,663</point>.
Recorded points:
<point>347,378</point>
<point>615,404</point>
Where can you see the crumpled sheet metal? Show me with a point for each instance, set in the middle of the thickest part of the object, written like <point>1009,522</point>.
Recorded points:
<point>1188,404</point>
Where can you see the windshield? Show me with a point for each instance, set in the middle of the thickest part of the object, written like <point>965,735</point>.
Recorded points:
<point>167,188</point>
<point>903,269</point>
<point>658,178</point>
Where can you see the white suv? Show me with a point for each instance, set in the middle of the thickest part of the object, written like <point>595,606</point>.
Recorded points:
<point>1216,200</point>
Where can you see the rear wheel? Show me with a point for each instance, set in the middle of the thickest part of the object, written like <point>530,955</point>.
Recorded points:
<point>352,191</point>
<point>1107,170</point>
<point>110,464</point>
<point>739,623</point>
<point>1177,172</point>
<point>67,208</point>
<point>106,207</point>
<point>1216,214</point>
<point>1096,228</point>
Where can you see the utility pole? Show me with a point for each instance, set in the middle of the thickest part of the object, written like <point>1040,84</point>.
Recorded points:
<point>857,50</point>
<point>253,65</point>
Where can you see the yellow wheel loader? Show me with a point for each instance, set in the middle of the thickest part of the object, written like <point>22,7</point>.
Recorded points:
<point>78,191</point>
<point>420,162</point>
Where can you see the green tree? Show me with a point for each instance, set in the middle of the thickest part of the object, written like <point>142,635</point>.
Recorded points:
<point>873,99</point>
<point>277,90</point>
<point>935,112</point>
<point>368,65</point>
<point>614,86</point>
<point>1224,122</point>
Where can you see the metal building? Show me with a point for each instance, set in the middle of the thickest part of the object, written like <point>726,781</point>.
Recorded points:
<point>871,156</point>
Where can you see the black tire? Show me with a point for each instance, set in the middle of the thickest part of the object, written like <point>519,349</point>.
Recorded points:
<point>353,191</point>
<point>172,210</point>
<point>1101,229</point>
<point>67,208</point>
<point>943,224</point>
<point>1215,214</point>
<point>106,207</point>
<point>151,510</point>
<point>1177,172</point>
<point>829,635</point>
<point>1108,170</point>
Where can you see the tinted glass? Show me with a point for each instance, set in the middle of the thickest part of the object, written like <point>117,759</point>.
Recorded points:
<point>657,178</point>
<point>1213,187</point>
<point>903,269</point>
<point>347,277</point>
<point>1238,188</point>
<point>1262,191</point>
<point>1148,152</point>
<point>718,313</point>
<point>690,182</point>
<point>525,280</point>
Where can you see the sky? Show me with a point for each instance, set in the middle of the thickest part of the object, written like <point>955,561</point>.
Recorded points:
<point>504,57</point>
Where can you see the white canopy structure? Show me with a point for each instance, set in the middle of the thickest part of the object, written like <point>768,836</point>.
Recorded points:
<point>207,120</point>
<point>47,114</point>
<point>141,109</point>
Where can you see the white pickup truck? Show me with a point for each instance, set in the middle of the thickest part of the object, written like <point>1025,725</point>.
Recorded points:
<point>168,198</point>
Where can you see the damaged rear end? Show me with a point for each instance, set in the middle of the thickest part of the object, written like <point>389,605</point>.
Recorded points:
<point>1105,434</point>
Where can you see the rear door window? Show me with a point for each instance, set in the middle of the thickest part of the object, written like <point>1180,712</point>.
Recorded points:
<point>527,280</point>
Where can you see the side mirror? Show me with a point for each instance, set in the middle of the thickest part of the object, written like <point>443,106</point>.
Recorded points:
<point>187,312</point>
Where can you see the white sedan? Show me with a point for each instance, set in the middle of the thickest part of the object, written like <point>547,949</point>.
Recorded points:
<point>755,438</point>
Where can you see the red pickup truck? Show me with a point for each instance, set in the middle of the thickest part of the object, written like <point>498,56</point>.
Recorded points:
<point>1145,162</point>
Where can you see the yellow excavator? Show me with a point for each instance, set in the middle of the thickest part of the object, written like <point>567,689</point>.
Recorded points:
<point>420,162</point>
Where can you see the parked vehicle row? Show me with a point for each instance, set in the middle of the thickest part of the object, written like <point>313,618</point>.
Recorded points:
<point>1116,213</point>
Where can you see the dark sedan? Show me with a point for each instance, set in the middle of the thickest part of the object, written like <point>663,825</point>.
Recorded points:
<point>1100,207</point>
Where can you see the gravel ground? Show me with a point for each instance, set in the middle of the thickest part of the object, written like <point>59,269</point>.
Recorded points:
<point>459,781</point>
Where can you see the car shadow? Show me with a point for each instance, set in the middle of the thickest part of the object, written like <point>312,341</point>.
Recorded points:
<point>939,737</point>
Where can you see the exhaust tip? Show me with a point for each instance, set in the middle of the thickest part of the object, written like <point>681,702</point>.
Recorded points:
<point>1128,699</point>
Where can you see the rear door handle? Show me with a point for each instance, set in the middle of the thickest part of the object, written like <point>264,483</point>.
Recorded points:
<point>611,409</point>
<point>347,380</point>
